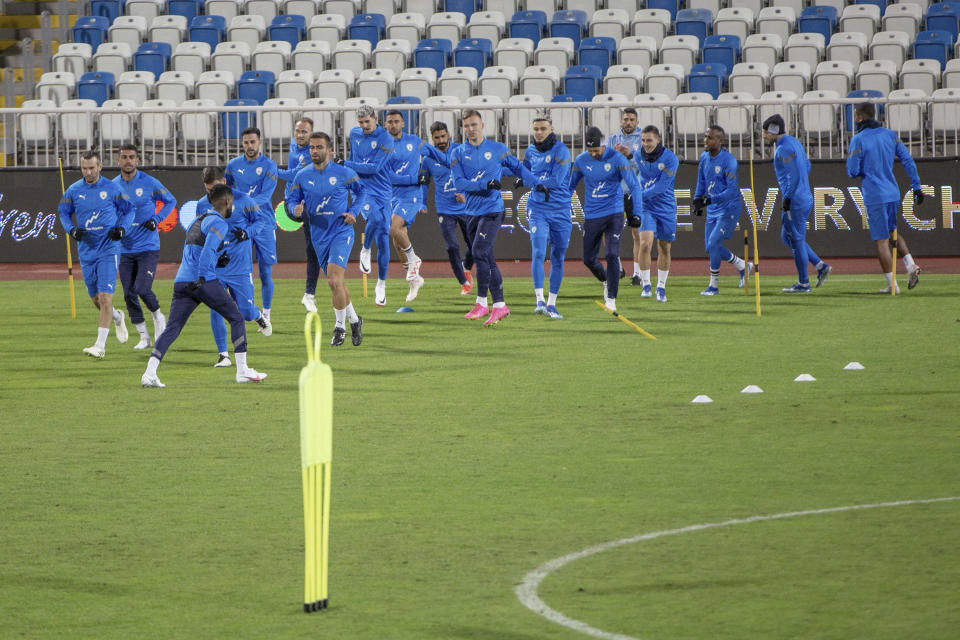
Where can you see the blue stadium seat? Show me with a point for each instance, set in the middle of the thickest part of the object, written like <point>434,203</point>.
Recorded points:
<point>433,53</point>
<point>583,80</point>
<point>669,5</point>
<point>864,94</point>
<point>707,78</point>
<point>569,24</point>
<point>599,52</point>
<point>466,7</point>
<point>933,44</point>
<point>290,28</point>
<point>473,52</point>
<point>189,9</point>
<point>96,86</point>
<point>528,24</point>
<point>256,86</point>
<point>944,16</point>
<point>367,26</point>
<point>109,9</point>
<point>152,56</point>
<point>209,29</point>
<point>569,97</point>
<point>231,124</point>
<point>818,19</point>
<point>91,30</point>
<point>411,118</point>
<point>724,49</point>
<point>695,22</point>
<point>881,4</point>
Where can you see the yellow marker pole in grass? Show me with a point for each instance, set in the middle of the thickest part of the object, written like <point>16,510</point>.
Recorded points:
<point>73,296</point>
<point>362,238</point>
<point>316,453</point>
<point>624,320</point>
<point>756,254</point>
<point>893,285</point>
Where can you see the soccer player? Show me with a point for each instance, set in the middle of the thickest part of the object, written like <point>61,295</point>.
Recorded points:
<point>407,200</point>
<point>449,204</point>
<point>628,141</point>
<point>871,155</point>
<point>718,192</point>
<point>103,214</point>
<point>256,175</point>
<point>196,282</point>
<point>477,168</point>
<point>323,189</point>
<point>140,249</point>
<point>603,170</point>
<point>545,169</point>
<point>234,264</point>
<point>658,173</point>
<point>792,167</point>
<point>298,158</point>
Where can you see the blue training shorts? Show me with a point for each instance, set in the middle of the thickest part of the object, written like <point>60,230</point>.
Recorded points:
<point>882,219</point>
<point>663,225</point>
<point>557,226</point>
<point>726,223</point>
<point>241,290</point>
<point>266,245</point>
<point>101,276</point>
<point>334,249</point>
<point>408,208</point>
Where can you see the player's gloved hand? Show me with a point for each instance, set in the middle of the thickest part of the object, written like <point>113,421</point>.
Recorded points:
<point>493,184</point>
<point>240,234</point>
<point>77,233</point>
<point>546,194</point>
<point>196,284</point>
<point>338,159</point>
<point>917,196</point>
<point>633,220</point>
<point>223,260</point>
<point>116,233</point>
<point>150,224</point>
<point>423,179</point>
<point>699,204</point>
<point>786,204</point>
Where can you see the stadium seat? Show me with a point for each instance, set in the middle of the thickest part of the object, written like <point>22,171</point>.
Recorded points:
<point>271,55</point>
<point>881,5</point>
<point>228,9</point>
<point>722,49</point>
<point>417,82</point>
<point>907,119</point>
<point>444,109</point>
<point>337,84</point>
<point>376,83</point>
<point>737,120</point>
<point>658,116</point>
<point>624,79</point>
<point>708,78</point>
<point>630,6</point>
<point>446,26</point>
<point>113,57</point>
<point>945,116</point>
<point>386,8</point>
<point>750,78</point>
<point>135,86</point>
<point>392,54</point>
<point>506,7</point>
<point>310,55</point>
<point>175,86</point>
<point>492,116</point>
<point>256,85</point>
<point>460,82</point>
<point>944,16</point>
<point>214,86</point>
<point>691,115</point>
<point>665,79</point>
<point>77,129</point>
<point>74,57</point>
<point>520,121</point>
<point>56,87</point>
<point>567,121</point>
<point>933,44</point>
<point>805,47</point>
<point>189,9</point>
<point>208,29</point>
<point>555,52</point>
<point>327,28</point>
<point>820,118</point>
<point>411,117</point>
<point>877,75</point>
<point>191,56</point>
<point>286,28</point>
<point>540,80</point>
<point>818,19</point>
<point>851,47</point>
<point>670,6</point>
<point>129,29</point>
<point>247,29</point>
<point>680,50</point>
<point>322,120</point>
<point>655,23</point>
<point>528,24</point>
<point>96,86</point>
<point>36,129</point>
<point>266,9</point>
<point>606,118</point>
<point>637,50</point>
<point>232,123</point>
<point>490,25</point>
<point>352,54</point>
<point>890,45</point>
<point>198,129</point>
<point>231,56</point>
<point>694,22</point>
<point>569,24</point>
<point>153,57</point>
<point>583,80</point>
<point>91,30</point>
<point>466,7</point>
<point>921,75</point>
<point>499,81</point>
<point>473,52</point>
<point>344,8</point>
<point>148,9</point>
<point>276,124</point>
<point>610,23</point>
<point>600,52</point>
<point>763,47</point>
<point>116,126</point>
<point>776,20</point>
<point>171,29</point>
<point>786,109</point>
<point>295,85</point>
<point>790,76</point>
<point>369,27</point>
<point>950,78</point>
<point>587,6</point>
<point>514,52</point>
<point>834,75</point>
<point>903,16</point>
<point>734,21</point>
<point>860,18</point>
<point>407,26</point>
<point>436,53</point>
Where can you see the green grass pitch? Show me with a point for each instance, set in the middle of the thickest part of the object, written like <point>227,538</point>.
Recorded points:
<point>465,457</point>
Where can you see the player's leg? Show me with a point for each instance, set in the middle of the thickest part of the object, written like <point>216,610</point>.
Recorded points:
<point>881,226</point>
<point>215,296</point>
<point>560,229</point>
<point>646,245</point>
<point>400,222</point>
<point>336,266</point>
<point>490,226</point>
<point>313,269</point>
<point>184,302</point>
<point>611,228</point>
<point>913,269</point>
<point>712,237</point>
<point>106,274</point>
<point>636,280</point>
<point>539,232</point>
<point>480,307</point>
<point>665,234</point>
<point>128,271</point>
<point>448,228</point>
<point>592,236</point>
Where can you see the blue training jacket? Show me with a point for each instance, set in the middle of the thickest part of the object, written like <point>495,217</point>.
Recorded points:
<point>437,164</point>
<point>297,158</point>
<point>325,196</point>
<point>98,208</point>
<point>658,177</point>
<point>201,249</point>
<point>792,167</point>
<point>603,195</point>
<point>246,215</point>
<point>717,180</point>
<point>551,169</point>
<point>368,159</point>
<point>404,167</point>
<point>872,152</point>
<point>473,167</point>
<point>257,179</point>
<point>144,192</point>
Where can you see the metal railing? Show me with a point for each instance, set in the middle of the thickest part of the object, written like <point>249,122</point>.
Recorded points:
<point>193,136</point>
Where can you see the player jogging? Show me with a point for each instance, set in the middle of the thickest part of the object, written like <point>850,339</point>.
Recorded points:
<point>407,200</point>
<point>628,142</point>
<point>658,173</point>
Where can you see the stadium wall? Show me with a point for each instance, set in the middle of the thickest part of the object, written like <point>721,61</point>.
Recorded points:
<point>30,231</point>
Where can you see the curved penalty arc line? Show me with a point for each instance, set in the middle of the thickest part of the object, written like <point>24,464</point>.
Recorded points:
<point>526,591</point>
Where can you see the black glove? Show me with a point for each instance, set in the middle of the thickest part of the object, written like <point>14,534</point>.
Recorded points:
<point>546,194</point>
<point>150,224</point>
<point>223,260</point>
<point>493,184</point>
<point>633,220</point>
<point>786,204</point>
<point>699,204</point>
<point>917,196</point>
<point>77,233</point>
<point>240,234</point>
<point>196,284</point>
<point>423,179</point>
<point>338,159</point>
<point>116,233</point>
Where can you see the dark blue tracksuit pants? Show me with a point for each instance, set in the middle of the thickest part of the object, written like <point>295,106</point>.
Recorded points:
<point>610,227</point>
<point>186,299</point>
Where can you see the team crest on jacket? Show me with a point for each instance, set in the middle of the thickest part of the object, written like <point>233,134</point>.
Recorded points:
<point>488,155</point>
<point>333,180</point>
<point>409,147</point>
<point>548,158</point>
<point>716,169</point>
<point>139,192</point>
<point>373,144</point>
<point>606,167</point>
<point>259,170</point>
<point>661,166</point>
<point>103,195</point>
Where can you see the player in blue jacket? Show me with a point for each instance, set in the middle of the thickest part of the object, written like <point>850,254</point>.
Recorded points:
<point>256,175</point>
<point>545,170</point>
<point>658,173</point>
<point>298,156</point>
<point>324,189</point>
<point>792,168</point>
<point>718,192</point>
<point>872,152</point>
<point>234,264</point>
<point>477,167</point>
<point>196,282</point>
<point>140,248</point>
<point>603,169</point>
<point>628,141</point>
<point>97,214</point>
<point>449,204</point>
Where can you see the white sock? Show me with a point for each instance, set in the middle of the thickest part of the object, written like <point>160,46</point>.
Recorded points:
<point>142,329</point>
<point>889,277</point>
<point>611,303</point>
<point>552,299</point>
<point>738,262</point>
<point>241,358</point>
<point>715,280</point>
<point>157,315</point>
<point>819,265</point>
<point>116,315</point>
<point>645,276</point>
<point>662,278</point>
<point>102,337</point>
<point>499,305</point>
<point>908,262</point>
<point>381,284</point>
<point>539,294</point>
<point>411,256</point>
<point>636,269</point>
<point>481,301</point>
<point>224,354</point>
<point>351,314</point>
<point>341,316</point>
<point>266,314</point>
<point>152,365</point>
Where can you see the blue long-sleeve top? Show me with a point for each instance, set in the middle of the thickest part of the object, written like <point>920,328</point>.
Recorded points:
<point>792,168</point>
<point>257,179</point>
<point>404,167</point>
<point>717,180</point>
<point>368,159</point>
<point>144,191</point>
<point>871,155</point>
<point>473,167</point>
<point>98,208</point>
<point>297,158</point>
<point>658,177</point>
<point>205,239</point>
<point>437,164</point>
<point>550,169</point>
<point>246,215</point>
<point>325,194</point>
<point>603,195</point>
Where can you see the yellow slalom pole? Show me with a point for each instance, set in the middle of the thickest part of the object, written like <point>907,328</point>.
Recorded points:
<point>316,456</point>
<point>893,285</point>
<point>746,258</point>
<point>756,254</point>
<point>624,320</point>
<point>73,296</point>
<point>362,238</point>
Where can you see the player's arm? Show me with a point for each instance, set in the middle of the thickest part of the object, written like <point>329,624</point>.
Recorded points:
<point>636,189</point>
<point>125,210</point>
<point>787,176</point>
<point>666,178</point>
<point>161,194</point>
<point>464,184</point>
<point>207,265</point>
<point>65,210</point>
<point>374,164</point>
<point>292,199</point>
<point>355,187</point>
<point>907,160</point>
<point>432,153</point>
<point>250,213</point>
<point>702,180</point>
<point>576,175</point>
<point>228,176</point>
<point>559,171</point>
<point>855,158</point>
<point>268,183</point>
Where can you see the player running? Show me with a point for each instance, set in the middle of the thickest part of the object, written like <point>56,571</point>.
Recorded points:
<point>658,173</point>
<point>628,141</point>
